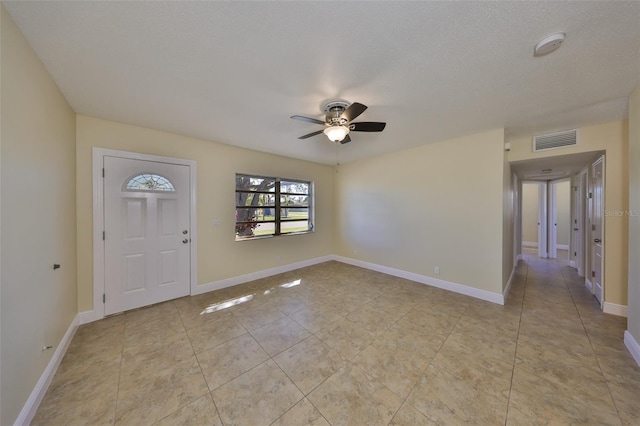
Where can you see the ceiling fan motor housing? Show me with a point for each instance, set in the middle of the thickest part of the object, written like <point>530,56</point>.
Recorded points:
<point>333,111</point>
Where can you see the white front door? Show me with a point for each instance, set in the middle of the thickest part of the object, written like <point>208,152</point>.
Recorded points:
<point>147,232</point>
<point>596,221</point>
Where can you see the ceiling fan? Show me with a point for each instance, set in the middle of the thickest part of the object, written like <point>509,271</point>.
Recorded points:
<point>338,117</point>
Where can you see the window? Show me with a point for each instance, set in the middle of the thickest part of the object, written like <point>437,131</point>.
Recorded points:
<point>149,182</point>
<point>268,206</point>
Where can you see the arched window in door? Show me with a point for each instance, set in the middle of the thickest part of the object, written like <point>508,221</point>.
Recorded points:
<point>149,182</point>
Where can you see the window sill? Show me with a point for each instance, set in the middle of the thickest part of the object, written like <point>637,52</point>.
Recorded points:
<point>264,237</point>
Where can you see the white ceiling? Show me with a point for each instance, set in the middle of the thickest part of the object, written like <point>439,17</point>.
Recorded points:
<point>234,72</point>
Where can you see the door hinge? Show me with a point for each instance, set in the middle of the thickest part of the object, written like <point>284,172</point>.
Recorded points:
<point>103,235</point>
<point>104,298</point>
<point>103,172</point>
<point>593,274</point>
<point>593,227</point>
<point>575,253</point>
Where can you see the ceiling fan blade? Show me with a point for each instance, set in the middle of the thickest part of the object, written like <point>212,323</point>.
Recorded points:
<point>307,119</point>
<point>367,126</point>
<point>346,139</point>
<point>354,110</point>
<point>311,134</point>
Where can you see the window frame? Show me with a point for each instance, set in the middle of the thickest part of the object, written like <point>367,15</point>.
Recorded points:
<point>277,193</point>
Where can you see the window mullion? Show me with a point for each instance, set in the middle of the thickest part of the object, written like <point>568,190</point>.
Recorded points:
<point>276,215</point>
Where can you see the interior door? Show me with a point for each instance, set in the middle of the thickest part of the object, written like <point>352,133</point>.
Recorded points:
<point>597,227</point>
<point>147,256</point>
<point>580,220</point>
<point>542,220</point>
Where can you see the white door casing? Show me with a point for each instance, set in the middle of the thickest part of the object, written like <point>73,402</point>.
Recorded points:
<point>143,259</point>
<point>578,225</point>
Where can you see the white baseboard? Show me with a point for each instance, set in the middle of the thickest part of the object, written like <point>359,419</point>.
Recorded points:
<point>31,406</point>
<point>241,279</point>
<point>520,256</point>
<point>423,279</point>
<point>633,346</point>
<point>507,287</point>
<point>614,309</point>
<point>587,283</point>
<point>562,246</point>
<point>530,244</point>
<point>87,317</point>
<point>572,263</point>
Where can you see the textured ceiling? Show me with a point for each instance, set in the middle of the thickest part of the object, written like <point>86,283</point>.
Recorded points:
<point>234,72</point>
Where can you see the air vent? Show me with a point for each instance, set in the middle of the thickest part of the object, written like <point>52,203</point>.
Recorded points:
<point>555,140</point>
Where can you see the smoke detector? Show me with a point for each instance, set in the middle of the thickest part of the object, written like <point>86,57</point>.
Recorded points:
<point>548,44</point>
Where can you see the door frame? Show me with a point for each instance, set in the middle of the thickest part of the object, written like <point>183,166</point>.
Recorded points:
<point>590,243</point>
<point>98,219</point>
<point>581,221</point>
<point>553,217</point>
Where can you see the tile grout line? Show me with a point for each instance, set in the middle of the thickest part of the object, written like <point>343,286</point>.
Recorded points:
<point>124,333</point>
<point>430,364</point>
<point>595,356</point>
<point>421,374</point>
<point>304,396</point>
<point>515,352</point>
<point>195,355</point>
<point>346,360</point>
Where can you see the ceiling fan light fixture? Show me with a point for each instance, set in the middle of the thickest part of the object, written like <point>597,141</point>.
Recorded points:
<point>336,133</point>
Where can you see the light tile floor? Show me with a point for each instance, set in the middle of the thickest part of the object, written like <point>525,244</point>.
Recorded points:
<point>334,344</point>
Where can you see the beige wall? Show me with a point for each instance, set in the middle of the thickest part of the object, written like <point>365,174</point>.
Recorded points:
<point>219,255</point>
<point>530,212</point>
<point>37,218</point>
<point>633,323</point>
<point>563,212</point>
<point>436,205</point>
<point>611,137</point>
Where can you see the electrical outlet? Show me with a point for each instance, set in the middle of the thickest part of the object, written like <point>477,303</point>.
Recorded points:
<point>436,270</point>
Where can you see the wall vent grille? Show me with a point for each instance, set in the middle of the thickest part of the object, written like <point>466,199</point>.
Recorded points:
<point>555,140</point>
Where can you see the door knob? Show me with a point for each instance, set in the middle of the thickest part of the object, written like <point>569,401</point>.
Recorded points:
<point>597,240</point>
<point>185,232</point>
<point>185,241</point>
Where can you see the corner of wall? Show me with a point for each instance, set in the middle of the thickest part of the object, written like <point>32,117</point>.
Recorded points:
<point>633,284</point>
<point>2,12</point>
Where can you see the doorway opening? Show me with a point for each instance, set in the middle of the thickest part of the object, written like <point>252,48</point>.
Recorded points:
<point>562,213</point>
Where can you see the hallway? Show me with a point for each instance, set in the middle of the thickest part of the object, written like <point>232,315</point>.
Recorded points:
<point>333,344</point>
<point>570,356</point>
